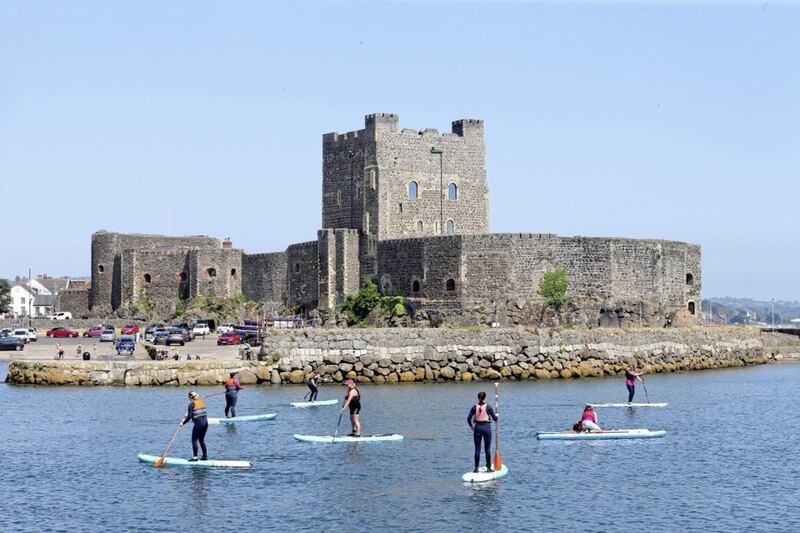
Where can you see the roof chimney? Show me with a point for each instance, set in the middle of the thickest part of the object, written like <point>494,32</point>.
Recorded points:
<point>227,244</point>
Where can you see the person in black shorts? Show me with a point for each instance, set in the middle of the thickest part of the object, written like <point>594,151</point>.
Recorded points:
<point>352,399</point>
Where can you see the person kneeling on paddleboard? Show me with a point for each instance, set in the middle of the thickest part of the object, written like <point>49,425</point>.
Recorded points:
<point>197,414</point>
<point>480,421</point>
<point>589,419</point>
<point>232,388</point>
<point>352,399</point>
<point>312,378</point>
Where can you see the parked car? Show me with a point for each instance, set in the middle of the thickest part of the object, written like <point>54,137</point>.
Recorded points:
<point>129,329</point>
<point>201,328</point>
<point>148,331</point>
<point>125,344</point>
<point>94,332</point>
<point>225,328</point>
<point>7,342</point>
<point>6,331</point>
<point>64,315</point>
<point>108,335</point>
<point>176,336</point>
<point>22,334</point>
<point>62,332</point>
<point>228,338</point>
<point>251,339</point>
<point>184,326</point>
<point>160,335</point>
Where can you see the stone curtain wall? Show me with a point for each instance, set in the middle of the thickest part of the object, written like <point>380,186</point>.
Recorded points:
<point>134,373</point>
<point>76,301</point>
<point>391,355</point>
<point>218,270</point>
<point>303,269</point>
<point>339,272</point>
<point>163,269</point>
<point>264,277</point>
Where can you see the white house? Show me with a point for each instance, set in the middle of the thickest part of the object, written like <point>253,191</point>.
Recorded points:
<point>23,299</point>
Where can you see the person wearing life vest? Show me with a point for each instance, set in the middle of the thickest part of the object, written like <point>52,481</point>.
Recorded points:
<point>312,378</point>
<point>480,420</point>
<point>631,375</point>
<point>232,388</point>
<point>352,399</point>
<point>197,414</point>
<point>589,419</point>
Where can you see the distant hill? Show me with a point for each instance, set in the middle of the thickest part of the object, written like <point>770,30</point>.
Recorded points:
<point>729,310</point>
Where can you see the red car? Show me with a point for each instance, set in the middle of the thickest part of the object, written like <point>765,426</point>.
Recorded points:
<point>93,332</point>
<point>228,338</point>
<point>62,332</point>
<point>129,329</point>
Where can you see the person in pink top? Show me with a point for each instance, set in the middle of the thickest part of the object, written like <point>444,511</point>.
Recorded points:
<point>631,375</point>
<point>589,419</point>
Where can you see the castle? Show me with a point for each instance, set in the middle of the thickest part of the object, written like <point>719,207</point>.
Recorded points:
<point>410,210</point>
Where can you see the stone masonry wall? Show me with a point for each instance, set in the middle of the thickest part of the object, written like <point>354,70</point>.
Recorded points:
<point>302,276</point>
<point>264,277</point>
<point>76,301</point>
<point>392,355</point>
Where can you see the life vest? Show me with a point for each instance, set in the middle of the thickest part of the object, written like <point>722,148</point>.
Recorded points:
<point>230,385</point>
<point>199,408</point>
<point>356,401</point>
<point>481,413</point>
<point>588,415</point>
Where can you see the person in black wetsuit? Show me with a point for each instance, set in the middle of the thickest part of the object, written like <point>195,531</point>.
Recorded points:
<point>480,420</point>
<point>352,399</point>
<point>312,378</point>
<point>232,388</point>
<point>197,414</point>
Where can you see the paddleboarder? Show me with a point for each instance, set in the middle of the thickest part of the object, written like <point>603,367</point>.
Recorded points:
<point>589,419</point>
<point>232,388</point>
<point>312,378</point>
<point>198,415</point>
<point>352,399</point>
<point>631,375</point>
<point>480,421</point>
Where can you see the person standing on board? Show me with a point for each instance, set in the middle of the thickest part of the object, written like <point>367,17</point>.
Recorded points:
<point>480,421</point>
<point>232,388</point>
<point>352,399</point>
<point>631,375</point>
<point>589,419</point>
<point>198,415</point>
<point>312,378</point>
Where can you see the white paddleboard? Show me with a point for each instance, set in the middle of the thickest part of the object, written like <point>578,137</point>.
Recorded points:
<point>345,438</point>
<point>482,476</point>
<point>606,434</point>
<point>249,418</point>
<point>314,404</point>
<point>663,404</point>
<point>175,461</point>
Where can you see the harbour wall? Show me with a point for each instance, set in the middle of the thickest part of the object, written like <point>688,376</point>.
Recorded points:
<point>393,355</point>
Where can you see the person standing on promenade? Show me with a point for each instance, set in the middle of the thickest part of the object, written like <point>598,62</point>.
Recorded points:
<point>631,375</point>
<point>59,351</point>
<point>232,388</point>
<point>79,351</point>
<point>199,417</point>
<point>480,421</point>
<point>352,399</point>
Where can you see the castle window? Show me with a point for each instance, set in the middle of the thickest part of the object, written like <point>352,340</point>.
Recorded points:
<point>691,308</point>
<point>339,197</point>
<point>358,189</point>
<point>212,272</point>
<point>452,191</point>
<point>436,230</point>
<point>372,178</point>
<point>689,279</point>
<point>401,207</point>
<point>233,272</point>
<point>415,286</point>
<point>366,222</point>
<point>451,284</point>
<point>413,189</point>
<point>100,269</point>
<point>147,278</point>
<point>451,227</point>
<point>296,267</point>
<point>183,277</point>
<point>419,226</point>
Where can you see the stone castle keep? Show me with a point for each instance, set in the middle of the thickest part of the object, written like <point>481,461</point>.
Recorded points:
<point>410,210</point>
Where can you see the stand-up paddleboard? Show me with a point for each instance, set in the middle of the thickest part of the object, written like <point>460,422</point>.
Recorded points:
<point>601,435</point>
<point>314,404</point>
<point>346,438</point>
<point>664,404</point>
<point>175,461</point>
<point>482,476</point>
<point>250,418</point>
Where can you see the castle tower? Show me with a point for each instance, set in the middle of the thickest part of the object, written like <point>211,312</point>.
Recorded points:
<point>399,184</point>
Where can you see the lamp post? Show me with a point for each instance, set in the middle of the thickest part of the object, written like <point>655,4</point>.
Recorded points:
<point>441,188</point>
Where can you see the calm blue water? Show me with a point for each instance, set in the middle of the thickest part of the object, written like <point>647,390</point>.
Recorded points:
<point>728,463</point>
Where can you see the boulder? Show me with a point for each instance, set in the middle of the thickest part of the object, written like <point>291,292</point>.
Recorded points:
<point>246,377</point>
<point>297,376</point>
<point>467,376</point>
<point>392,378</point>
<point>408,377</point>
<point>447,372</point>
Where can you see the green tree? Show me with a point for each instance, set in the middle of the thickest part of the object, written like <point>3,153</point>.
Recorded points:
<point>553,287</point>
<point>5,295</point>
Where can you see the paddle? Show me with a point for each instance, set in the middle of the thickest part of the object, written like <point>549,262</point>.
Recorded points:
<point>336,433</point>
<point>644,385</point>
<point>160,461</point>
<point>498,461</point>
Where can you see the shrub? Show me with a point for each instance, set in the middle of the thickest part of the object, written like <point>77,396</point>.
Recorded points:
<point>553,287</point>
<point>357,306</point>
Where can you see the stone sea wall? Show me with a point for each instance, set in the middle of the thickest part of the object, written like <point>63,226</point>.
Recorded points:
<point>132,373</point>
<point>413,355</point>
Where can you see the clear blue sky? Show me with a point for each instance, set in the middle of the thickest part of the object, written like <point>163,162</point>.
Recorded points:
<point>664,120</point>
